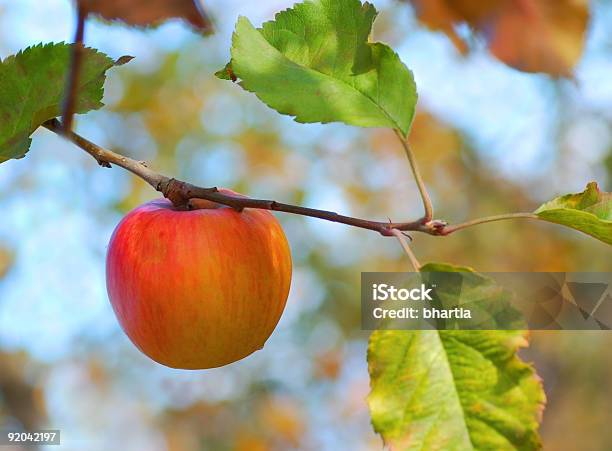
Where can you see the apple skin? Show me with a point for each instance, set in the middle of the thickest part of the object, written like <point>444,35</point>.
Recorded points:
<point>198,289</point>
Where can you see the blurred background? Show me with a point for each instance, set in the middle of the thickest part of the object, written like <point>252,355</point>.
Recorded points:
<point>489,138</point>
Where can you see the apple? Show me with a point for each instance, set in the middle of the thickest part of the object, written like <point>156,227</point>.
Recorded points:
<point>197,289</point>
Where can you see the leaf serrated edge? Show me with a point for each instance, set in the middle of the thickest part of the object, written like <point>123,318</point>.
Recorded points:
<point>235,36</point>
<point>41,47</point>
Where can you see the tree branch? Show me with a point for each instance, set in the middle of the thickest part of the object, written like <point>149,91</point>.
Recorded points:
<point>180,193</point>
<point>76,61</point>
<point>404,243</point>
<point>106,157</point>
<point>428,216</point>
<point>183,194</point>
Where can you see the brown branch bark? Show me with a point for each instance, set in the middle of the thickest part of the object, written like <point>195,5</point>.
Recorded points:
<point>185,195</point>
<point>180,193</point>
<point>76,61</point>
<point>188,196</point>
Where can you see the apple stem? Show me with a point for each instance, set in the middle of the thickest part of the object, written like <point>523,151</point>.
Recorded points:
<point>202,204</point>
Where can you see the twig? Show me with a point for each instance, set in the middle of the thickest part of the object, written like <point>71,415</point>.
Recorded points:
<point>76,61</point>
<point>404,242</point>
<point>428,216</point>
<point>180,192</point>
<point>453,228</point>
<point>106,157</point>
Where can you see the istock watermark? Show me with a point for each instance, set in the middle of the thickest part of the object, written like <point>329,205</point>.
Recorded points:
<point>383,292</point>
<point>486,301</point>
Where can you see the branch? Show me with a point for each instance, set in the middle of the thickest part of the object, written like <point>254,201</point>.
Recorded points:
<point>447,230</point>
<point>401,237</point>
<point>183,194</point>
<point>419,180</point>
<point>180,193</point>
<point>105,157</point>
<point>76,61</point>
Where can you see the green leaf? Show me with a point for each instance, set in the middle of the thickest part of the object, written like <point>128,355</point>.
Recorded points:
<point>455,390</point>
<point>314,62</point>
<point>490,304</point>
<point>589,211</point>
<point>32,86</point>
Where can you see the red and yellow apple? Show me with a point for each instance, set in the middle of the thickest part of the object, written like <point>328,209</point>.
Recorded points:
<point>197,289</point>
